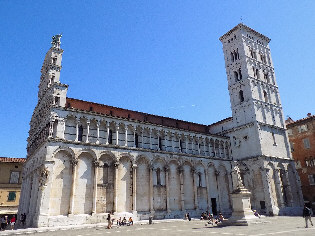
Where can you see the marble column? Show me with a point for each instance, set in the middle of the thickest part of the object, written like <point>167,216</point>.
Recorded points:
<point>134,137</point>
<point>98,132</point>
<point>267,190</point>
<point>74,163</point>
<point>142,144</point>
<point>116,186</point>
<point>279,188</point>
<point>217,176</point>
<point>51,128</point>
<point>117,135</point>
<point>96,166</point>
<point>166,169</point>
<point>186,145</point>
<point>194,176</point>
<point>181,178</point>
<point>151,189</point>
<point>134,188</point>
<point>87,131</point>
<point>208,190</point>
<point>288,188</point>
<point>299,190</point>
<point>126,136</point>
<point>77,130</point>
<point>107,132</point>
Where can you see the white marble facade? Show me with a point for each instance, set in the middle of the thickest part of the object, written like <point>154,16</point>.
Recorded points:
<point>83,164</point>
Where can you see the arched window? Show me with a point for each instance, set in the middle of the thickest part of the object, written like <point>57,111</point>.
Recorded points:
<point>257,73</point>
<point>52,79</point>
<point>241,96</point>
<point>158,176</point>
<point>235,76</point>
<point>238,55</point>
<point>240,73</point>
<point>110,137</point>
<point>266,77</point>
<point>235,55</point>
<point>199,180</point>
<point>136,140</point>
<point>160,143</point>
<point>232,57</point>
<point>57,100</point>
<point>180,145</point>
<point>251,53</point>
<point>80,134</point>
<point>265,96</point>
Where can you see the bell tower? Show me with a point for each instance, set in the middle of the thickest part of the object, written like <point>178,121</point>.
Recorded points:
<point>51,94</point>
<point>258,124</point>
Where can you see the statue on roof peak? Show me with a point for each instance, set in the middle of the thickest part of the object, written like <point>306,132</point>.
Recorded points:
<point>56,40</point>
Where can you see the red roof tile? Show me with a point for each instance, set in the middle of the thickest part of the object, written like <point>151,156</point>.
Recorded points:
<point>135,115</point>
<point>12,159</point>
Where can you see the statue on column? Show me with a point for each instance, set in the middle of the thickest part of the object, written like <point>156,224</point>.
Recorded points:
<point>236,177</point>
<point>56,40</point>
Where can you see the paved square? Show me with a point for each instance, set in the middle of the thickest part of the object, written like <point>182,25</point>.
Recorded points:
<point>268,226</point>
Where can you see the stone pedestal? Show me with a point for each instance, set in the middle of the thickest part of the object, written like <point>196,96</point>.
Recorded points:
<point>242,213</point>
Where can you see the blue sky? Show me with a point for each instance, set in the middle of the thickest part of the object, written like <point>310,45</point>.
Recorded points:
<point>159,57</point>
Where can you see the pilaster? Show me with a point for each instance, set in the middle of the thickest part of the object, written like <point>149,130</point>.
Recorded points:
<point>134,188</point>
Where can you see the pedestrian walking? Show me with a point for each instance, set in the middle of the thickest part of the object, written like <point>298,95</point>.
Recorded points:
<point>307,214</point>
<point>109,222</point>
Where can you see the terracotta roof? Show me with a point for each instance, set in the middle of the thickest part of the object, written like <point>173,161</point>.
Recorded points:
<point>289,121</point>
<point>12,159</point>
<point>134,115</point>
<point>222,121</point>
<point>308,118</point>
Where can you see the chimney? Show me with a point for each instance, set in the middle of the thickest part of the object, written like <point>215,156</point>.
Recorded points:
<point>309,114</point>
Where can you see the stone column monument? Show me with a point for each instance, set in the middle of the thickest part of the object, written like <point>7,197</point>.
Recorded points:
<point>242,213</point>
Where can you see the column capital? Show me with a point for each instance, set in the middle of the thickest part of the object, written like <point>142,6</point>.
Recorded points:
<point>116,164</point>
<point>262,168</point>
<point>96,163</point>
<point>134,166</point>
<point>73,162</point>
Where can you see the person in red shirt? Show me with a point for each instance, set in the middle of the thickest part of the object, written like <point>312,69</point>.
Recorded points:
<point>12,222</point>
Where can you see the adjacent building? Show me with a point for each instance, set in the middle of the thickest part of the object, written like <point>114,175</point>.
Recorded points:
<point>302,141</point>
<point>85,160</point>
<point>10,184</point>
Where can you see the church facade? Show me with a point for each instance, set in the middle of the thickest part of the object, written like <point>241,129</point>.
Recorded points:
<point>85,160</point>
